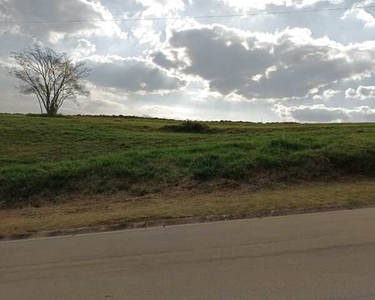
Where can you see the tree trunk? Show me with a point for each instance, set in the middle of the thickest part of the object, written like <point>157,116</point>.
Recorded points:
<point>51,111</point>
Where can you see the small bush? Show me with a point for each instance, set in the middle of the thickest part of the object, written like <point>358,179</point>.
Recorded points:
<point>188,126</point>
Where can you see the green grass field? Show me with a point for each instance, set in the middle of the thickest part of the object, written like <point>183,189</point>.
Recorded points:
<point>47,157</point>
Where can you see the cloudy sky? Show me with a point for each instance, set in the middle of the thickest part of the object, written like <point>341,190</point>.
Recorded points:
<point>279,62</point>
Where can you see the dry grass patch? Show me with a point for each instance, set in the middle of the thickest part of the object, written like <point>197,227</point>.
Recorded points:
<point>83,210</point>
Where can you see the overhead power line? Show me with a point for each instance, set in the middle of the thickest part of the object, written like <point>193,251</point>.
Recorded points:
<point>189,17</point>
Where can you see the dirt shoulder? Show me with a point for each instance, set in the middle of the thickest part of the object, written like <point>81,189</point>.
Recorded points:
<point>77,211</point>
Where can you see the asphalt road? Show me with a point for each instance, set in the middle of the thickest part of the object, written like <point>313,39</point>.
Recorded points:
<point>316,256</point>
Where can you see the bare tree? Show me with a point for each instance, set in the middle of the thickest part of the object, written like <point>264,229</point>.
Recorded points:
<point>52,77</point>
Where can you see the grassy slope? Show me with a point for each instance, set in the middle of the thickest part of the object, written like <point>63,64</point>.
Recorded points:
<point>44,156</point>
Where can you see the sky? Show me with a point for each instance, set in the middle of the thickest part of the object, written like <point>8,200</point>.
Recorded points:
<point>275,61</point>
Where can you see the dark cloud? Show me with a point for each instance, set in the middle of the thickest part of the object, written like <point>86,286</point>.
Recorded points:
<point>281,65</point>
<point>51,11</point>
<point>162,60</point>
<point>131,74</point>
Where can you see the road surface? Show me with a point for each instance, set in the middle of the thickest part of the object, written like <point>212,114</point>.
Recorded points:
<point>317,256</point>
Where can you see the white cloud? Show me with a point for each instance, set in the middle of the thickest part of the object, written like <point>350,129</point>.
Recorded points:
<point>247,6</point>
<point>161,7</point>
<point>144,33</point>
<point>162,111</point>
<point>84,48</point>
<point>362,15</point>
<point>320,113</point>
<point>100,102</point>
<point>327,94</point>
<point>361,93</point>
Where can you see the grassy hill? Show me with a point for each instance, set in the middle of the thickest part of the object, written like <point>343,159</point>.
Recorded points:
<point>44,157</point>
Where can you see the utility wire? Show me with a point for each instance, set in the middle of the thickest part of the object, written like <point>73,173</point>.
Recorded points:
<point>286,12</point>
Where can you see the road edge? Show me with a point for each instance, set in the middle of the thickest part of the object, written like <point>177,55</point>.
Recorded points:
<point>180,221</point>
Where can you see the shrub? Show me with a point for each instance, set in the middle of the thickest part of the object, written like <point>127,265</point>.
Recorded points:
<point>188,126</point>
